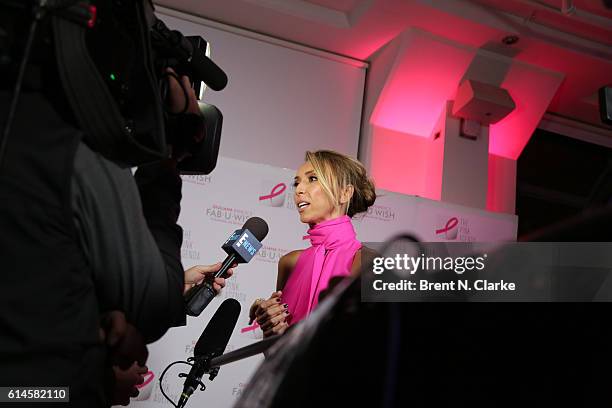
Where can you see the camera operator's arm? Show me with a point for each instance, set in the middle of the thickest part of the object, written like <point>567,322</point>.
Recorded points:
<point>160,191</point>
<point>134,246</point>
<point>132,272</point>
<point>159,185</point>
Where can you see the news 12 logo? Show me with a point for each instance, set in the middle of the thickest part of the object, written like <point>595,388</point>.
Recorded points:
<point>274,195</point>
<point>242,243</point>
<point>450,229</point>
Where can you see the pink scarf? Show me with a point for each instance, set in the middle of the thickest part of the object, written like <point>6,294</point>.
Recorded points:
<point>333,248</point>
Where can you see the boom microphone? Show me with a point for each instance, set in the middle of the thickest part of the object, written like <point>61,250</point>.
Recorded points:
<point>205,68</point>
<point>173,43</point>
<point>212,343</point>
<point>241,247</point>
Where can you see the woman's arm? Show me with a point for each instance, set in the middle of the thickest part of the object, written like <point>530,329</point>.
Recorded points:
<point>285,267</point>
<point>271,314</point>
<point>363,259</point>
<point>356,267</point>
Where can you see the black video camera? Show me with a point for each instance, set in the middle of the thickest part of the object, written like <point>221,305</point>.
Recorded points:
<point>198,136</point>
<point>112,57</point>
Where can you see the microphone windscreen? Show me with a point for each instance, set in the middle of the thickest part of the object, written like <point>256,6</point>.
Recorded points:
<point>218,331</point>
<point>208,71</point>
<point>257,226</point>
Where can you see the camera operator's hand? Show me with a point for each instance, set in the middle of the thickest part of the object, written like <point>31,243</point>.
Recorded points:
<point>126,344</point>
<point>126,382</point>
<point>187,123</point>
<point>177,92</point>
<point>128,354</point>
<point>196,274</point>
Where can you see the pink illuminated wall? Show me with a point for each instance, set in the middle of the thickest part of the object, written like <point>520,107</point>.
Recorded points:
<point>425,73</point>
<point>532,89</point>
<point>406,163</point>
<point>424,76</point>
<point>501,186</point>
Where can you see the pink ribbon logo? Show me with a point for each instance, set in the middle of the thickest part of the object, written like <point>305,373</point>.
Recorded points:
<point>144,391</point>
<point>247,329</point>
<point>148,377</point>
<point>276,198</point>
<point>447,229</point>
<point>276,191</point>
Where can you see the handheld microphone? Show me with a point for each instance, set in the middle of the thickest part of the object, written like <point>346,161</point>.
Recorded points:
<point>241,247</point>
<point>212,343</point>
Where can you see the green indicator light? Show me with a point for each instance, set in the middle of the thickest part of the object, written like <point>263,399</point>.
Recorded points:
<point>113,77</point>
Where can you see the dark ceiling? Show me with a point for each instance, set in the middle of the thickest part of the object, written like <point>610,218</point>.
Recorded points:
<point>559,177</point>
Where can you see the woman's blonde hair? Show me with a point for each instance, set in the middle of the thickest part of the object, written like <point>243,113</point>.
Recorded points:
<point>336,172</point>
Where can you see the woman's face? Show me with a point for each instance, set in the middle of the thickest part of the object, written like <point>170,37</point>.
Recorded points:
<point>310,199</point>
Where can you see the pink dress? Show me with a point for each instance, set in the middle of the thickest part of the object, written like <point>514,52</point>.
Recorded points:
<point>333,249</point>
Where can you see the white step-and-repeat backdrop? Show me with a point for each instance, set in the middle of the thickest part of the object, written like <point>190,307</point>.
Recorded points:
<point>213,206</point>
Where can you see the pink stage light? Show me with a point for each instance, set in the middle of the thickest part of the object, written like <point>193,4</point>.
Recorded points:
<point>405,164</point>
<point>532,90</point>
<point>425,75</point>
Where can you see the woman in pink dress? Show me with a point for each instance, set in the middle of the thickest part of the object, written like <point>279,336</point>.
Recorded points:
<point>329,189</point>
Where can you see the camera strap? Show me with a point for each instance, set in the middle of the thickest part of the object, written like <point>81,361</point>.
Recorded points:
<point>92,104</point>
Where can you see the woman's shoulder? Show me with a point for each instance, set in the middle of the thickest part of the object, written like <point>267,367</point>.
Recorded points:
<point>290,258</point>
<point>363,258</point>
<point>368,254</point>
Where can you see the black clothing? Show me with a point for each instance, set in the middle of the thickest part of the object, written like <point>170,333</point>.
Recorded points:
<point>74,244</point>
<point>136,267</point>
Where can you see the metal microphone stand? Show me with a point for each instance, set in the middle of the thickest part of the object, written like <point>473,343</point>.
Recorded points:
<point>210,364</point>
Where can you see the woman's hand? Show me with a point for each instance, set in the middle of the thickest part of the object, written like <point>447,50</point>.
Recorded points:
<point>196,274</point>
<point>271,314</point>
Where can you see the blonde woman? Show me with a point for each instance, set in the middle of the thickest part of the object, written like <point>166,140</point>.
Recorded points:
<point>329,189</point>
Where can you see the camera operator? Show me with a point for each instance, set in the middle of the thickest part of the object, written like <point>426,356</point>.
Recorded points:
<point>81,238</point>
<point>128,365</point>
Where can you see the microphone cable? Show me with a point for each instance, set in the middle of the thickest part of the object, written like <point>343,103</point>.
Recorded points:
<point>40,9</point>
<point>38,14</point>
<point>161,378</point>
